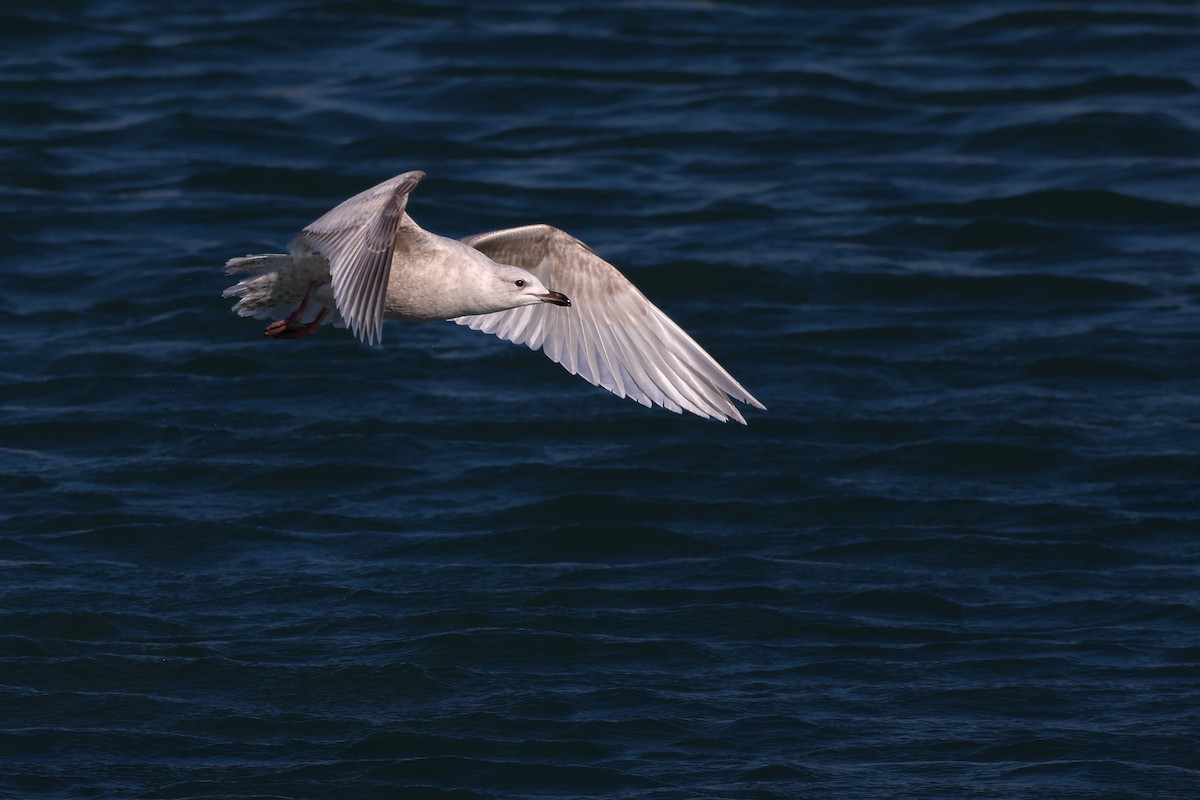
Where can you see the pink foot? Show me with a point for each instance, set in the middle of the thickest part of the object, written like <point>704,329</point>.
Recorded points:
<point>284,329</point>
<point>290,327</point>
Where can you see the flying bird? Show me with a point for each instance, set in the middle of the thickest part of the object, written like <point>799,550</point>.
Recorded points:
<point>534,285</point>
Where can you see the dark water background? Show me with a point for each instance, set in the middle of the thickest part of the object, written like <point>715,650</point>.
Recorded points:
<point>953,247</point>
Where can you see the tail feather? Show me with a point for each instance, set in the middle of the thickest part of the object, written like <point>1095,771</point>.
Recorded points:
<point>272,285</point>
<point>265,261</point>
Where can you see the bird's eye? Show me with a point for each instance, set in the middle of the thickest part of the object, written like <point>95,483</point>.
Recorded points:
<point>519,282</point>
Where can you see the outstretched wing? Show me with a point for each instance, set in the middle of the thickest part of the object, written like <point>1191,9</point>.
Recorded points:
<point>612,336</point>
<point>358,237</point>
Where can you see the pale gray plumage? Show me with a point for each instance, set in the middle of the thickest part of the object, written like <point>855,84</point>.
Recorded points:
<point>367,259</point>
<point>358,238</point>
<point>613,336</point>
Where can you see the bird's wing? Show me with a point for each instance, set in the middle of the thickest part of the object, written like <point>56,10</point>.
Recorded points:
<point>358,237</point>
<point>611,336</point>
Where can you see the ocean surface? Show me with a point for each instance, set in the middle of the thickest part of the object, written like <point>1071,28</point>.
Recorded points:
<point>953,247</point>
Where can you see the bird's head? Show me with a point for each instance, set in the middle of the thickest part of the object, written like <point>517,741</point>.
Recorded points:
<point>518,287</point>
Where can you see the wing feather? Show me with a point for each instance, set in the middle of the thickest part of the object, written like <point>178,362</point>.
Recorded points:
<point>358,238</point>
<point>652,386</point>
<point>675,380</point>
<point>612,336</point>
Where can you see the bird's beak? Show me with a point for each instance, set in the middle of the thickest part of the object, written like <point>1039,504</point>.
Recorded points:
<point>558,298</point>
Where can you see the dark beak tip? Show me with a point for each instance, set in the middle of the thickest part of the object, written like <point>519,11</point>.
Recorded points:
<point>557,298</point>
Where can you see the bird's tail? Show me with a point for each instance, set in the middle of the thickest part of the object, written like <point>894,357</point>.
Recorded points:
<point>261,292</point>
<point>272,284</point>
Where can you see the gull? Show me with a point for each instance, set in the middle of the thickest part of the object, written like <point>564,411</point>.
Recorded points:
<point>367,259</point>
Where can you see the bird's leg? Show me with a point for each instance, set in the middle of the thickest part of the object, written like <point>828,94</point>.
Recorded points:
<point>290,327</point>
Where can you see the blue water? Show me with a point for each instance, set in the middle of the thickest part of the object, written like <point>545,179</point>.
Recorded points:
<point>954,248</point>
